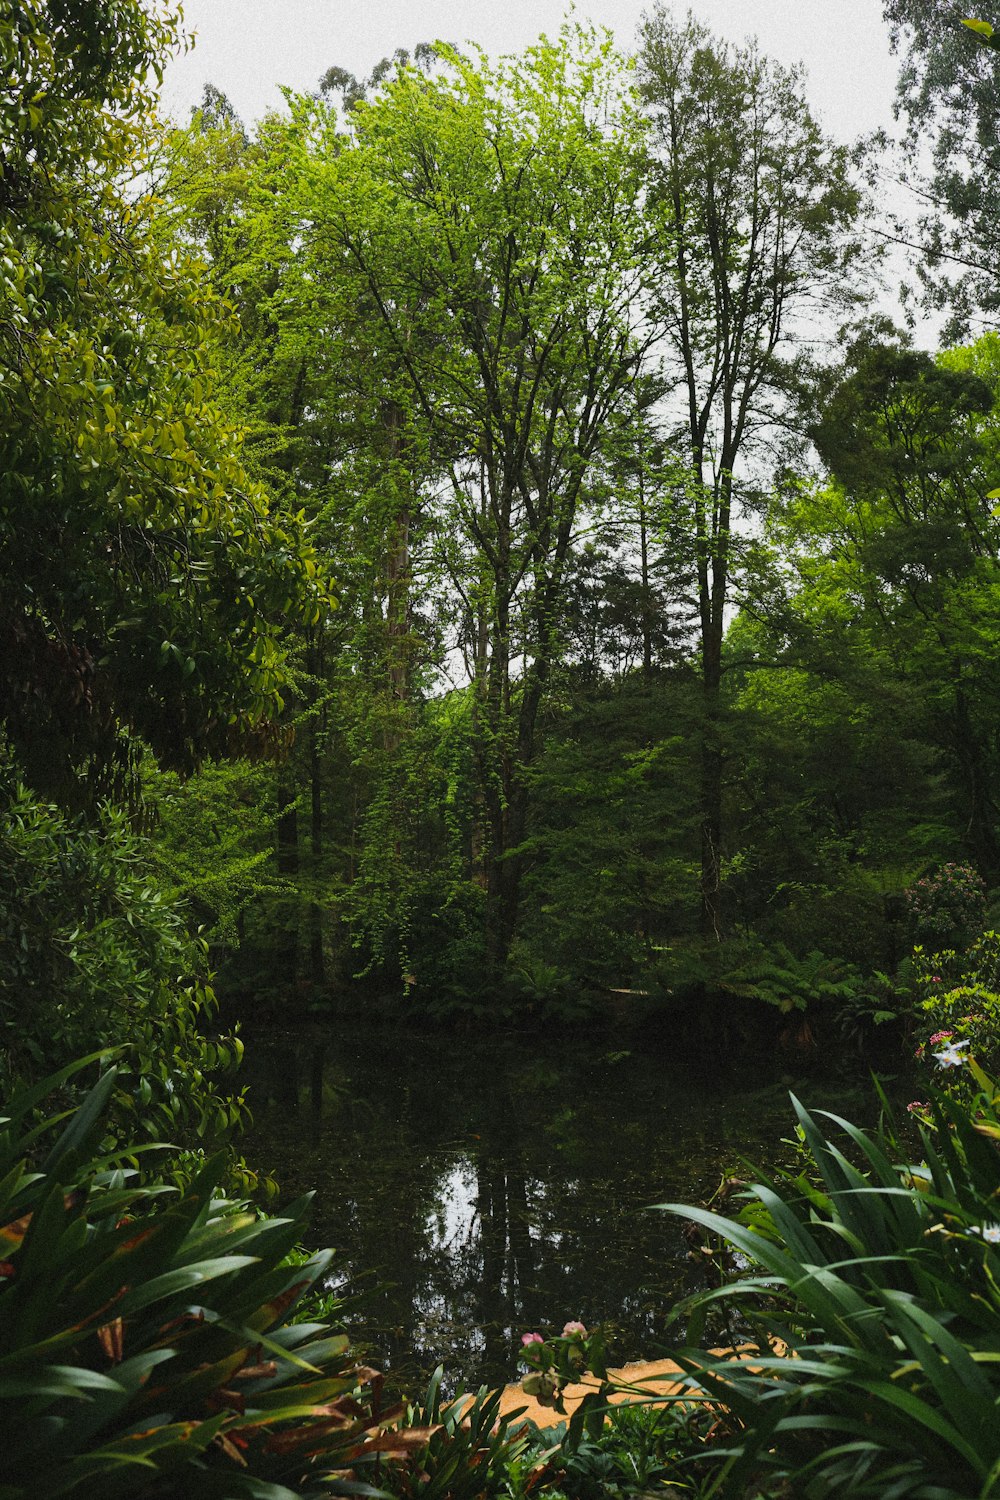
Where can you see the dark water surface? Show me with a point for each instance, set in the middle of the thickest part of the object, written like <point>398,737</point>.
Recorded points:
<point>476,1189</point>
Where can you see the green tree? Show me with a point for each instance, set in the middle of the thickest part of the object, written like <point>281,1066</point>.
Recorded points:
<point>754,212</point>
<point>949,98</point>
<point>883,583</point>
<point>913,443</point>
<point>475,242</point>
<point>613,832</point>
<point>837,797</point>
<point>92,954</point>
<point>321,433</point>
<point>143,576</point>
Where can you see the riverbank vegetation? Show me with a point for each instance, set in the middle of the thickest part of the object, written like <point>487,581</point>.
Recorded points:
<point>473,543</point>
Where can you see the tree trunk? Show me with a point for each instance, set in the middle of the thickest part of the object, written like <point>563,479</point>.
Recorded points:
<point>647,598</point>
<point>979,803</point>
<point>397,585</point>
<point>317,965</point>
<point>711,812</point>
<point>287,855</point>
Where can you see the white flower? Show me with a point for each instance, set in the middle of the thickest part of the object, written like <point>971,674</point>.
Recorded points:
<point>950,1056</point>
<point>989,1232</point>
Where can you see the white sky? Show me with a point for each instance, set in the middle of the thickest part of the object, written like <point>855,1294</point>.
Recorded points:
<point>248,47</point>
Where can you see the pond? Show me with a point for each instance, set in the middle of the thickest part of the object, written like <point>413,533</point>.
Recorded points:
<point>475,1189</point>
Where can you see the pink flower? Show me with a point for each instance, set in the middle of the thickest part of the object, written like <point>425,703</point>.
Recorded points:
<point>915,1105</point>
<point>941,1036</point>
<point>531,1338</point>
<point>574,1331</point>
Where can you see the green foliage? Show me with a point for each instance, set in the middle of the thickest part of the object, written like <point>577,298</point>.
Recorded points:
<point>778,978</point>
<point>438,298</point>
<point>949,99</point>
<point>411,908</point>
<point>835,802</point>
<point>871,748</point>
<point>486,500</point>
<point>604,1449</point>
<point>902,426</point>
<point>446,293</point>
<point>872,1284</point>
<point>982,29</point>
<point>959,999</point>
<point>145,1347</point>
<point>214,844</point>
<point>946,906</point>
<point>93,954</point>
<point>467,1450</point>
<point>742,244</point>
<point>640,1449</point>
<point>143,578</point>
<point>611,842</point>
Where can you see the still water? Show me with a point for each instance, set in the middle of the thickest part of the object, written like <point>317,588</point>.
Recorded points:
<point>478,1189</point>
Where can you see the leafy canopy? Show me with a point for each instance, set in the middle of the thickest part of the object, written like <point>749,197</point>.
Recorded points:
<point>142,576</point>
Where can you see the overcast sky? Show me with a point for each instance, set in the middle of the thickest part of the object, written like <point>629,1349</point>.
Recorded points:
<point>249,47</point>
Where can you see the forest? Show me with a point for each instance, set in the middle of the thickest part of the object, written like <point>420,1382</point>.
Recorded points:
<point>482,546</point>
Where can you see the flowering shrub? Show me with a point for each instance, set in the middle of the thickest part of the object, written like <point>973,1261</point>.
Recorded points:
<point>946,906</point>
<point>960,1000</point>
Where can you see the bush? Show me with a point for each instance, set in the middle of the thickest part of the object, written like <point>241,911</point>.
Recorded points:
<point>947,906</point>
<point>875,1292</point>
<point>959,1005</point>
<point>468,1450</point>
<point>636,1449</point>
<point>92,955</point>
<point>145,1342</point>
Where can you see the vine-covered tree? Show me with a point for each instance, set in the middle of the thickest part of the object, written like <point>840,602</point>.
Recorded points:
<point>477,236</point>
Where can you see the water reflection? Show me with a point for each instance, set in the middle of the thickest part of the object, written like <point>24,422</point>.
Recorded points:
<point>481,1192</point>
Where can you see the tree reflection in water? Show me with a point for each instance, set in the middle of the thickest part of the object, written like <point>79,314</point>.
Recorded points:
<point>474,1196</point>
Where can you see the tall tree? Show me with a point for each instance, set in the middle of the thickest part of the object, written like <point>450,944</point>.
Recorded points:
<point>949,97</point>
<point>225,190</point>
<point>913,444</point>
<point>873,735</point>
<point>478,231</point>
<point>754,212</point>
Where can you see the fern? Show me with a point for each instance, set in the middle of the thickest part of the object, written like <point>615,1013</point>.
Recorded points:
<point>776,977</point>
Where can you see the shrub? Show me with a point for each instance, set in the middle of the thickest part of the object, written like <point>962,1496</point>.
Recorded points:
<point>91,954</point>
<point>637,1449</point>
<point>145,1342</point>
<point>468,1450</point>
<point>875,1291</point>
<point>960,998</point>
<point>947,906</point>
